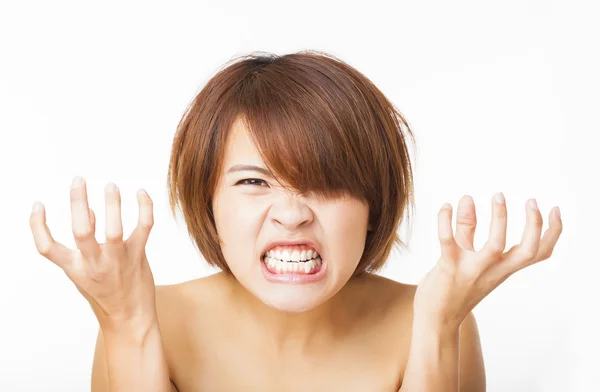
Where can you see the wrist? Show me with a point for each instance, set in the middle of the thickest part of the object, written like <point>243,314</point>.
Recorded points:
<point>134,331</point>
<point>428,328</point>
<point>433,359</point>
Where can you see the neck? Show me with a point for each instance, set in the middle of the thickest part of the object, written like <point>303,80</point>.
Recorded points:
<point>290,331</point>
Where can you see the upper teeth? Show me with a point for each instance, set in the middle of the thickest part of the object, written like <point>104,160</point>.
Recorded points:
<point>286,255</point>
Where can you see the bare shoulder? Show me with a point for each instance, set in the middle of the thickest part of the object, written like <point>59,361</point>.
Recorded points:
<point>177,302</point>
<point>385,294</point>
<point>386,305</point>
<point>179,294</point>
<point>185,308</point>
<point>385,317</point>
<point>394,302</point>
<point>390,286</point>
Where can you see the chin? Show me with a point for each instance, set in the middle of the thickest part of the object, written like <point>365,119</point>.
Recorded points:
<point>294,291</point>
<point>292,301</point>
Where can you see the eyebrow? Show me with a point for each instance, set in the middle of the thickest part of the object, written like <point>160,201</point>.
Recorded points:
<point>260,169</point>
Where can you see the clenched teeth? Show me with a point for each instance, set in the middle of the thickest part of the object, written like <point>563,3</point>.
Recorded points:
<point>281,266</point>
<point>292,255</point>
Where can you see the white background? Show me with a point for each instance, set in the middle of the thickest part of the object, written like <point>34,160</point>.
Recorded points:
<point>502,96</point>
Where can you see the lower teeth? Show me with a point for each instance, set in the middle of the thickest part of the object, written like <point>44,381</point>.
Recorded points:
<point>281,266</point>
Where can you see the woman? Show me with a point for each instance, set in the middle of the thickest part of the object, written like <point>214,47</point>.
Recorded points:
<point>293,174</point>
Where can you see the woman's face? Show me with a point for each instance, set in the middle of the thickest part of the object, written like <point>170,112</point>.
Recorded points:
<point>252,210</point>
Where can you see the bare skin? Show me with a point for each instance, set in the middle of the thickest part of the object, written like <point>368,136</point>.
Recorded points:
<point>245,333</point>
<point>211,345</point>
<point>213,334</point>
<point>368,340</point>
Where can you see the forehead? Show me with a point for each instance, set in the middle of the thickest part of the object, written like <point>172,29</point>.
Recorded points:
<point>240,147</point>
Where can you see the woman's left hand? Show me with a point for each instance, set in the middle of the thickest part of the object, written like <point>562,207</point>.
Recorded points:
<point>462,277</point>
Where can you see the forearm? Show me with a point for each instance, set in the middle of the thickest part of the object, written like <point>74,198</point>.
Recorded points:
<point>433,362</point>
<point>135,360</point>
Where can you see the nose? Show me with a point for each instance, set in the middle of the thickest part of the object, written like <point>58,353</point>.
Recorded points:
<point>291,212</point>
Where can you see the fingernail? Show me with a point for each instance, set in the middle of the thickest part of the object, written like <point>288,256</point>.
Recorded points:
<point>110,187</point>
<point>465,199</point>
<point>142,192</point>
<point>447,205</point>
<point>37,207</point>
<point>558,211</point>
<point>533,204</point>
<point>77,182</point>
<point>499,198</point>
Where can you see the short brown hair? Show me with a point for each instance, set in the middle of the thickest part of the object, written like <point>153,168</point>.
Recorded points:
<point>340,134</point>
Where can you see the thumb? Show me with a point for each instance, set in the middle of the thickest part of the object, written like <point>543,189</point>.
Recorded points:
<point>93,220</point>
<point>446,237</point>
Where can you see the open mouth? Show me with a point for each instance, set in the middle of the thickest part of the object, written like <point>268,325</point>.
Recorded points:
<point>277,266</point>
<point>297,264</point>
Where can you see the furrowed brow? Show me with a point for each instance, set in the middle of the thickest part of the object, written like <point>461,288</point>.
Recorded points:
<point>259,169</point>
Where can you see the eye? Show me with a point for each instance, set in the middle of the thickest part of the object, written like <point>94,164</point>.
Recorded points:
<point>245,181</point>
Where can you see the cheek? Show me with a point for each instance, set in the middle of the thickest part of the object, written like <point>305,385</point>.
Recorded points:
<point>238,225</point>
<point>232,211</point>
<point>350,218</point>
<point>347,233</point>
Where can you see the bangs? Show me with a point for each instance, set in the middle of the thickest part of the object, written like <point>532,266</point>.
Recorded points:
<point>308,133</point>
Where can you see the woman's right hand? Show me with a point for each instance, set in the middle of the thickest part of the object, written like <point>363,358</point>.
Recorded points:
<point>114,277</point>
